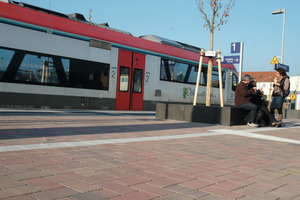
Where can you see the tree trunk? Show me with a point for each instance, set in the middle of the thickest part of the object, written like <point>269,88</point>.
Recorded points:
<point>209,70</point>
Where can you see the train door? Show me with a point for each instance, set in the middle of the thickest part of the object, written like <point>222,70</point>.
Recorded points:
<point>130,85</point>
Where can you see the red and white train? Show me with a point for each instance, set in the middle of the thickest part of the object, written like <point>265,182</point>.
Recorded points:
<point>52,60</point>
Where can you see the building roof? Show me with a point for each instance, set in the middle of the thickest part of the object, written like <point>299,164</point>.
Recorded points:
<point>265,76</point>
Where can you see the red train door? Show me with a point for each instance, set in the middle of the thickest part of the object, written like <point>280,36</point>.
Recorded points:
<point>130,85</point>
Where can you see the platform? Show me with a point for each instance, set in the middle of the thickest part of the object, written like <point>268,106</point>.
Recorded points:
<point>82,155</point>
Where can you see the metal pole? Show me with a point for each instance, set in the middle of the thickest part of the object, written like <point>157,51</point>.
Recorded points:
<point>220,78</point>
<point>241,61</point>
<point>282,44</point>
<point>198,77</point>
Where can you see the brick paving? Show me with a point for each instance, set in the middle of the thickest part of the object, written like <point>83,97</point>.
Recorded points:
<point>205,162</point>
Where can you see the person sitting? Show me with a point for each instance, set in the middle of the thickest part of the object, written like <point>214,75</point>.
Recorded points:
<point>263,117</point>
<point>243,97</point>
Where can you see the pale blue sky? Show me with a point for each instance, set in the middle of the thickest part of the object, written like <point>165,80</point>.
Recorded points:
<point>250,21</point>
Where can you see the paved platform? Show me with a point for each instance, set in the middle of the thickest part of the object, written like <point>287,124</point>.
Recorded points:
<point>83,155</point>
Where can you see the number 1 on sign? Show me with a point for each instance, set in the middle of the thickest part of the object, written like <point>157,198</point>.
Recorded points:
<point>235,47</point>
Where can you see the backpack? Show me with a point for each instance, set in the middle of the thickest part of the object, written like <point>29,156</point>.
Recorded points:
<point>285,93</point>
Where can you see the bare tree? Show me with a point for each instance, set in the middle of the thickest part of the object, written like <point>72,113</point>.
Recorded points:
<point>218,17</point>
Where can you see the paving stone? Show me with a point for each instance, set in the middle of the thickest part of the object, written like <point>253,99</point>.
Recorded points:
<point>21,167</point>
<point>221,192</point>
<point>165,182</point>
<point>214,197</point>
<point>29,175</point>
<point>187,191</point>
<point>174,196</point>
<point>5,170</point>
<point>54,194</point>
<point>21,197</point>
<point>80,185</point>
<point>98,194</point>
<point>117,188</point>
<point>8,182</point>
<point>64,177</point>
<point>197,184</point>
<point>135,195</point>
<point>42,184</point>
<point>133,180</point>
<point>152,189</point>
<point>17,191</point>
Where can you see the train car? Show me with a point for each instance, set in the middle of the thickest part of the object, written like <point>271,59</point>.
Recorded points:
<point>51,60</point>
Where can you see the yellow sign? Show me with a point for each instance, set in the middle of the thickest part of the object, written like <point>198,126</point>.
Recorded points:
<point>293,97</point>
<point>274,60</point>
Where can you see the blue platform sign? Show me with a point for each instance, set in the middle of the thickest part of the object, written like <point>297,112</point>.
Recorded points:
<point>279,65</point>
<point>235,47</point>
<point>230,59</point>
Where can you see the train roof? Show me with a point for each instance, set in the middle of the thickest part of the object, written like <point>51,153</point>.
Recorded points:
<point>73,16</point>
<point>151,44</point>
<point>169,42</point>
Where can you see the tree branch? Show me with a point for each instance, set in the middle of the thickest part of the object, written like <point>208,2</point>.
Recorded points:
<point>216,6</point>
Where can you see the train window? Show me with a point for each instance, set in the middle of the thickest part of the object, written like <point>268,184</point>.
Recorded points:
<point>87,74</point>
<point>234,82</point>
<point>124,79</point>
<point>66,67</point>
<point>194,74</point>
<point>164,70</point>
<point>215,79</point>
<point>30,68</point>
<point>36,69</point>
<point>179,72</point>
<point>137,80</point>
<point>224,78</point>
<point>184,73</point>
<point>173,71</point>
<point>5,58</point>
<point>203,76</point>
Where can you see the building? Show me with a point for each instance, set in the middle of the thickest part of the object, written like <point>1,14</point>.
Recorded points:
<point>295,84</point>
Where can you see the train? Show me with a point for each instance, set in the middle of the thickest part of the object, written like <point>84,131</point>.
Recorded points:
<point>51,60</point>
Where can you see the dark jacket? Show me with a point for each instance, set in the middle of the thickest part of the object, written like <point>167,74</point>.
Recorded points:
<point>243,94</point>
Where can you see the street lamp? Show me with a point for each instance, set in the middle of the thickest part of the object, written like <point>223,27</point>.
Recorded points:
<point>266,78</point>
<point>279,11</point>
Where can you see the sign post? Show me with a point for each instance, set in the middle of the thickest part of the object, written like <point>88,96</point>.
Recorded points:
<point>236,47</point>
<point>241,61</point>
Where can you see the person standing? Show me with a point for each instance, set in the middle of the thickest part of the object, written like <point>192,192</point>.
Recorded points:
<point>281,89</point>
<point>243,97</point>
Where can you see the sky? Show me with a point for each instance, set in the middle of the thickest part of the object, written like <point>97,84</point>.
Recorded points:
<point>249,21</point>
